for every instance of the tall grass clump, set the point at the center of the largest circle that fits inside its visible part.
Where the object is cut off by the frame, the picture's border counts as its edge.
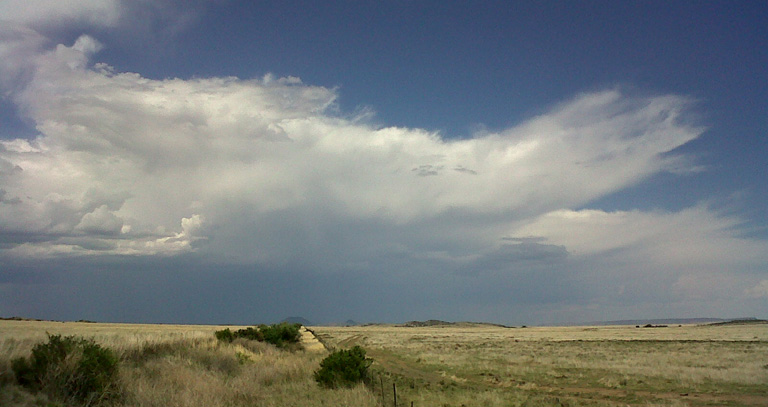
(69, 369)
(343, 368)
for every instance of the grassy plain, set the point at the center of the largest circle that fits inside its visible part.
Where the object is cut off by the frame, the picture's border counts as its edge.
(183, 365)
(457, 365)
(481, 365)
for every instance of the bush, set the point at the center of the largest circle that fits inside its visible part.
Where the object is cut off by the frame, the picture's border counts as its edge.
(343, 368)
(280, 335)
(225, 335)
(250, 333)
(69, 369)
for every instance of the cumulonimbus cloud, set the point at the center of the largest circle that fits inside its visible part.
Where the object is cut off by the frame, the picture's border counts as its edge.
(267, 172)
(126, 159)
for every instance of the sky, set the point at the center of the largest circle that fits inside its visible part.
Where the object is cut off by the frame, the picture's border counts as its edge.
(517, 162)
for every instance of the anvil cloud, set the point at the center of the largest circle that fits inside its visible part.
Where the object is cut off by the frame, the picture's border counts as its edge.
(268, 173)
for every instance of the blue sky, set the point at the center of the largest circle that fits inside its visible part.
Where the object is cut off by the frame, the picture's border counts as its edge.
(514, 162)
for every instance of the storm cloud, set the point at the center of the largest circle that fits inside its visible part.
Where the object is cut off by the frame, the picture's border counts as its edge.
(264, 183)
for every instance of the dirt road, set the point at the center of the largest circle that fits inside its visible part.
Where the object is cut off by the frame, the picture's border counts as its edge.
(310, 342)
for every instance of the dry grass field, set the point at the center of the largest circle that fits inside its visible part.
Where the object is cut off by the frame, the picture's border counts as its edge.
(481, 365)
(183, 365)
(458, 365)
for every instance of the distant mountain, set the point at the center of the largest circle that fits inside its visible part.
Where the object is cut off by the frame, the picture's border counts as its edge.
(351, 322)
(298, 320)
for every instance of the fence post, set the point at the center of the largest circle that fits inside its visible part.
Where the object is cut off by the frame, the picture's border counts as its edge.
(394, 390)
(383, 400)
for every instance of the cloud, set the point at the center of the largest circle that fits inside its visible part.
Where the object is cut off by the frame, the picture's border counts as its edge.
(263, 174)
(50, 15)
(18, 47)
(40, 14)
(758, 291)
(25, 26)
(695, 237)
(29, 27)
(119, 152)
(100, 221)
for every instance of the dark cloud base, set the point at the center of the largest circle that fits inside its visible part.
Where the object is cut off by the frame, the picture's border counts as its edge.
(188, 291)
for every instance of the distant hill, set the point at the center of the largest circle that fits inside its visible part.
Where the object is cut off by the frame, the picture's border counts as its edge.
(669, 321)
(439, 323)
(431, 322)
(351, 322)
(745, 321)
(298, 320)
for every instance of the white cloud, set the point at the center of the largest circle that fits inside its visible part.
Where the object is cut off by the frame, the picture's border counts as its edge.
(695, 253)
(100, 221)
(758, 291)
(43, 13)
(262, 172)
(28, 27)
(18, 47)
(269, 146)
(693, 236)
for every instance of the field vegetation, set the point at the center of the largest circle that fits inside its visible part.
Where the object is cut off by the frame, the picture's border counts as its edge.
(474, 364)
(180, 365)
(282, 335)
(459, 365)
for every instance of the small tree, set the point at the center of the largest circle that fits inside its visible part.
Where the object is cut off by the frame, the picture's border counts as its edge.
(343, 368)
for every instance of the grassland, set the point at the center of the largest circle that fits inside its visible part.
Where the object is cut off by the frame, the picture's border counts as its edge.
(459, 365)
(183, 365)
(574, 366)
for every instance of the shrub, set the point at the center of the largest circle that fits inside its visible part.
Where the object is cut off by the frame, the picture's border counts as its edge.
(225, 335)
(69, 369)
(280, 335)
(250, 333)
(343, 368)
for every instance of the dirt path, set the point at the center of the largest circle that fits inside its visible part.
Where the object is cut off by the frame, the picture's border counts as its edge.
(310, 342)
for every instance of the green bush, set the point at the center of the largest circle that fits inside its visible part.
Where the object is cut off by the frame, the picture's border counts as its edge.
(225, 335)
(250, 333)
(343, 368)
(280, 335)
(69, 369)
